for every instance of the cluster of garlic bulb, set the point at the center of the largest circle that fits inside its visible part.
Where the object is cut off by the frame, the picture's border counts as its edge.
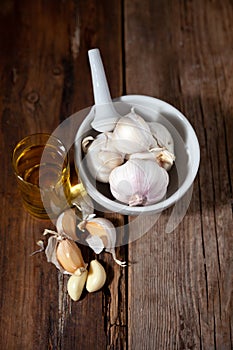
(134, 159)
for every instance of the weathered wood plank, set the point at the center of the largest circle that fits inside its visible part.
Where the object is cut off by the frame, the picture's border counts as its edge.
(181, 52)
(106, 327)
(31, 91)
(45, 77)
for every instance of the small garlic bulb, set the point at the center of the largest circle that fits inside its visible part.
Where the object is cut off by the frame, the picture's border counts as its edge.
(139, 182)
(132, 134)
(101, 157)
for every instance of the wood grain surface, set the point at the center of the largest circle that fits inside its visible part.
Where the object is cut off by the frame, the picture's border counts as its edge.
(177, 291)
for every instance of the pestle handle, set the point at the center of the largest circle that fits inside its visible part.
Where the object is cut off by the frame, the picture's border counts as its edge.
(99, 81)
(106, 116)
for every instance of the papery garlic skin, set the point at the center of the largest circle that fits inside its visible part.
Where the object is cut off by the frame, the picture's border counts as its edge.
(102, 158)
(66, 224)
(139, 182)
(104, 229)
(96, 276)
(76, 285)
(132, 134)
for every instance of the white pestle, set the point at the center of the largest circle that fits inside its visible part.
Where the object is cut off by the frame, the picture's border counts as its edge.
(105, 115)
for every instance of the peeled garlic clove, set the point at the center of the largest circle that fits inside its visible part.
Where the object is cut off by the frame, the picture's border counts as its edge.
(96, 276)
(162, 136)
(75, 285)
(101, 157)
(69, 256)
(132, 134)
(139, 182)
(66, 223)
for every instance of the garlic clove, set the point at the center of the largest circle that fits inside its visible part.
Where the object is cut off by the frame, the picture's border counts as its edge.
(50, 252)
(102, 233)
(66, 223)
(143, 155)
(162, 156)
(104, 229)
(69, 256)
(132, 134)
(162, 136)
(139, 182)
(165, 159)
(96, 277)
(76, 285)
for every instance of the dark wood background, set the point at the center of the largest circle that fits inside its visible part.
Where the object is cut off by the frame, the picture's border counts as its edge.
(178, 293)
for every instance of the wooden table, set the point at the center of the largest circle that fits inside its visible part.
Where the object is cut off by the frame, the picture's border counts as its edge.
(178, 292)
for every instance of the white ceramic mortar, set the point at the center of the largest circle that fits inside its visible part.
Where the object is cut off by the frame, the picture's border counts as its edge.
(186, 148)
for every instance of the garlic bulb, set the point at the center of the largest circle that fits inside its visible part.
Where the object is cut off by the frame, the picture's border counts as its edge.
(132, 134)
(101, 157)
(162, 136)
(139, 182)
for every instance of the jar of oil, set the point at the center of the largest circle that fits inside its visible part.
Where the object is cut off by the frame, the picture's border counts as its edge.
(41, 165)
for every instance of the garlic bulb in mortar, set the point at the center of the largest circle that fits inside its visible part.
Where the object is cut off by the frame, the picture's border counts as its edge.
(101, 157)
(132, 134)
(139, 182)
